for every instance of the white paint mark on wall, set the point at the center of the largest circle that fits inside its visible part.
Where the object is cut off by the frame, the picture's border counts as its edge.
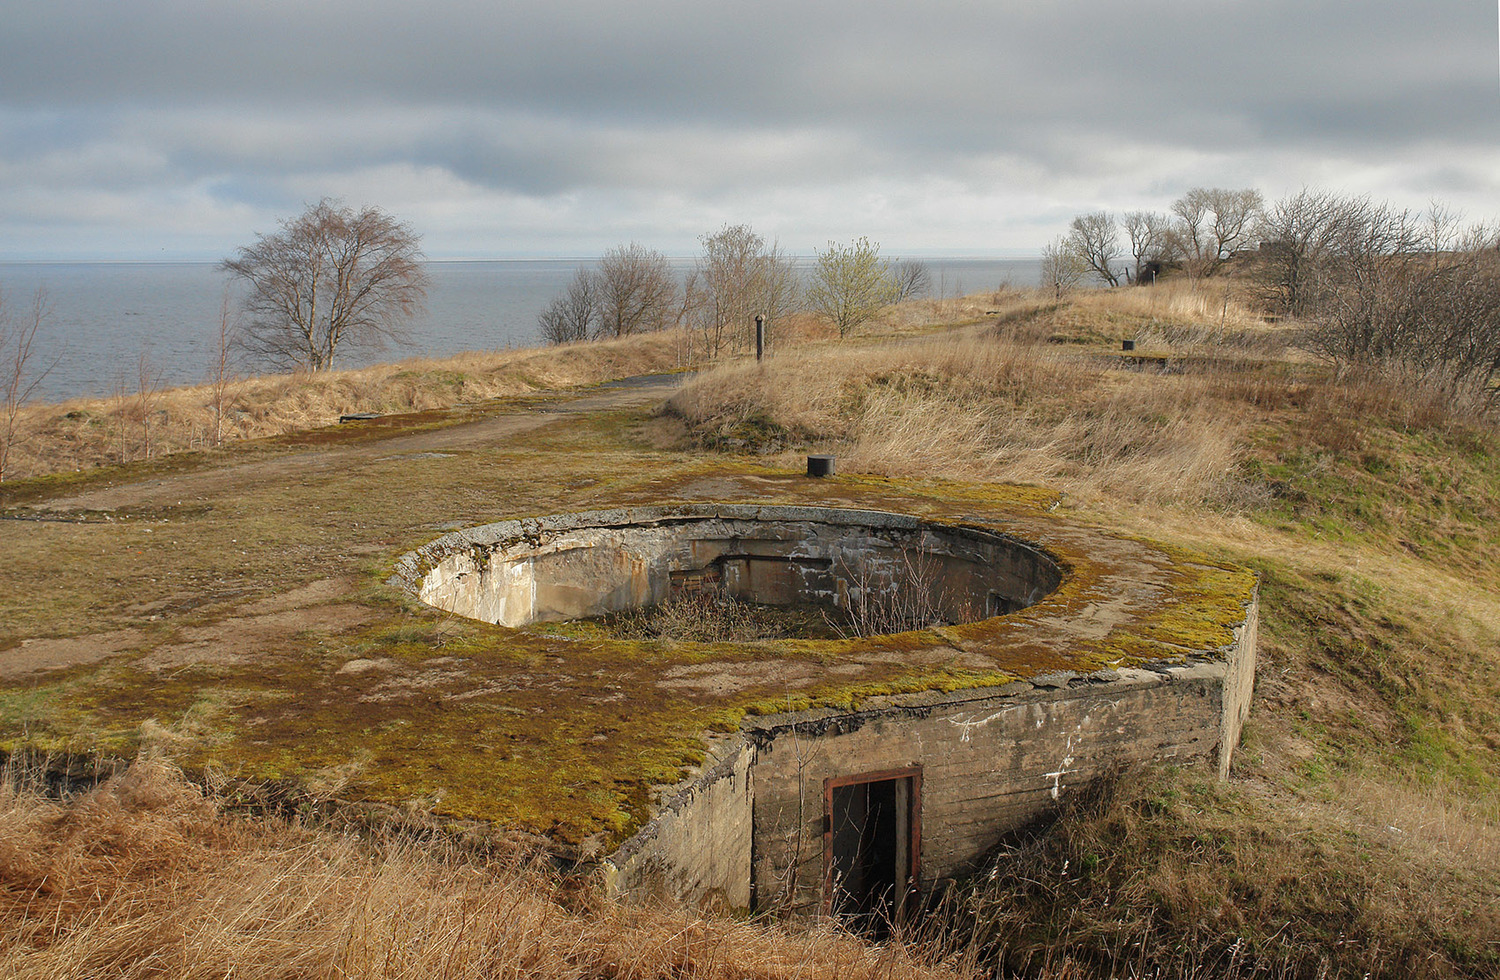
(1063, 769)
(968, 725)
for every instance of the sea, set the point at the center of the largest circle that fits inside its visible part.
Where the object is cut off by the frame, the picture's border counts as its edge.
(106, 319)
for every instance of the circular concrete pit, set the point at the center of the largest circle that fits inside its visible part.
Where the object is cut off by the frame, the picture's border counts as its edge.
(1128, 652)
(889, 569)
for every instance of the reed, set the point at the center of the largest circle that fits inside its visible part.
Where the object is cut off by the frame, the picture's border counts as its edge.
(145, 877)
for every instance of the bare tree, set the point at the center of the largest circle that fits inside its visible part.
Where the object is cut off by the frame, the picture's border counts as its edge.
(574, 315)
(913, 279)
(1297, 236)
(222, 369)
(850, 285)
(1234, 214)
(147, 396)
(1094, 239)
(17, 344)
(119, 405)
(1189, 231)
(1152, 244)
(1213, 224)
(739, 276)
(637, 290)
(1062, 269)
(332, 279)
(1393, 287)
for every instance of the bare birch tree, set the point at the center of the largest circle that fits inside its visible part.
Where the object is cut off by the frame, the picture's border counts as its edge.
(1062, 269)
(1213, 224)
(913, 279)
(574, 315)
(332, 279)
(147, 397)
(850, 285)
(739, 276)
(17, 345)
(1151, 242)
(222, 369)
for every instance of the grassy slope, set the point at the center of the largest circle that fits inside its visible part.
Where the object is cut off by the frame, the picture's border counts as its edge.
(1359, 831)
(146, 880)
(76, 436)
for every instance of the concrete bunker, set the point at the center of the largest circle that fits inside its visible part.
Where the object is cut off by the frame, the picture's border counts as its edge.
(890, 571)
(1077, 650)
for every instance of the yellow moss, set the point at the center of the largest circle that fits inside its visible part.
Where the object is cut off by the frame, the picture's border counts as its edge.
(558, 729)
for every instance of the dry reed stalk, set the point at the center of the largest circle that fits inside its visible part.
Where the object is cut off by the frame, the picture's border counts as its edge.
(83, 433)
(1210, 302)
(143, 878)
(976, 406)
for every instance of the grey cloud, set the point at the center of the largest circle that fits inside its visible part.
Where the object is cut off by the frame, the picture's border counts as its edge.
(883, 65)
(717, 105)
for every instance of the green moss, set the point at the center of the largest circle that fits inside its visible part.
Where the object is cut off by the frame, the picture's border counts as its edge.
(556, 729)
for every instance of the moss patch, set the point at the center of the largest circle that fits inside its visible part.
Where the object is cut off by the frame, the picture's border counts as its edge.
(553, 730)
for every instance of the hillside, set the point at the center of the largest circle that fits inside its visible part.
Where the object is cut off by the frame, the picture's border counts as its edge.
(1357, 834)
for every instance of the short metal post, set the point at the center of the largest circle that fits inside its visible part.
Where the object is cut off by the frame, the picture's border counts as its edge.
(760, 336)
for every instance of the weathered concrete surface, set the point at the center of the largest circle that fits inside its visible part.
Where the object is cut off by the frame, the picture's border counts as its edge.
(543, 731)
(1238, 687)
(989, 765)
(574, 566)
(990, 761)
(698, 846)
(1137, 656)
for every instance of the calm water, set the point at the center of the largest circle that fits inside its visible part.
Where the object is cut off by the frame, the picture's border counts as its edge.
(105, 315)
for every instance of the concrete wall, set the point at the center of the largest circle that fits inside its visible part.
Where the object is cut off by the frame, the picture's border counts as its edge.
(991, 761)
(697, 848)
(989, 765)
(514, 573)
(748, 830)
(1239, 686)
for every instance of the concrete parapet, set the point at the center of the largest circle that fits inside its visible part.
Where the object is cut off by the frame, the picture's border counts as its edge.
(1084, 651)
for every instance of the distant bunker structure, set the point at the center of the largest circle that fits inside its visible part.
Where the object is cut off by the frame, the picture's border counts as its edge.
(1074, 651)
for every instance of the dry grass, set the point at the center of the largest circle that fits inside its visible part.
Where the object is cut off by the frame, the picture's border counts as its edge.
(982, 404)
(1215, 302)
(1431, 825)
(1358, 837)
(1169, 875)
(145, 878)
(1042, 395)
(84, 433)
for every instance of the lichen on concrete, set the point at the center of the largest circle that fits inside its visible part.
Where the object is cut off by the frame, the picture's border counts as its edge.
(536, 729)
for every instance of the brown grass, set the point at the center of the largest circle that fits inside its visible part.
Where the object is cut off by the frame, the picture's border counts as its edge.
(1168, 874)
(1215, 303)
(1359, 835)
(978, 405)
(84, 433)
(145, 878)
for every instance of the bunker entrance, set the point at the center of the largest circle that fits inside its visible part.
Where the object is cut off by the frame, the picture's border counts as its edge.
(841, 572)
(871, 847)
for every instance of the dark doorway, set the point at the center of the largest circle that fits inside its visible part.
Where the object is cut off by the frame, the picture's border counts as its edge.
(871, 846)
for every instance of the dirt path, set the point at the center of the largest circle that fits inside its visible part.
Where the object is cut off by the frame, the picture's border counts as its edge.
(484, 432)
(213, 565)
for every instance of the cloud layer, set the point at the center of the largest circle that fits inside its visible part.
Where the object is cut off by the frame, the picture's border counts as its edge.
(181, 128)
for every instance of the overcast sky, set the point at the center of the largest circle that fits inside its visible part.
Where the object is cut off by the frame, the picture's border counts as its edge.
(181, 128)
